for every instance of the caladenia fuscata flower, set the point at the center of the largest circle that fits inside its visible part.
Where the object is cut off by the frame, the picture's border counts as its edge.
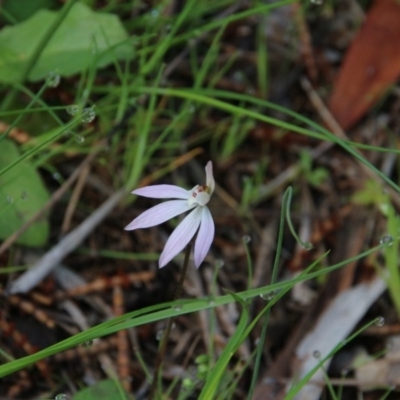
(198, 220)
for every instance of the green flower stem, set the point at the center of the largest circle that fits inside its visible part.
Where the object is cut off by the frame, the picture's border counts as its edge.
(165, 337)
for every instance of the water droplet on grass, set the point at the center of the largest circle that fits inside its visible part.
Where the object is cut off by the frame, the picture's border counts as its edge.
(317, 2)
(88, 115)
(246, 239)
(159, 334)
(80, 139)
(24, 195)
(155, 13)
(316, 354)
(308, 246)
(57, 176)
(380, 321)
(386, 240)
(72, 109)
(53, 79)
(9, 200)
(87, 344)
(268, 296)
(61, 396)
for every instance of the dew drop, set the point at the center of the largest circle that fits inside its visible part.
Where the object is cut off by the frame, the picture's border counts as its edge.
(317, 2)
(256, 341)
(191, 108)
(57, 176)
(238, 77)
(344, 372)
(178, 308)
(380, 321)
(24, 195)
(88, 115)
(87, 344)
(72, 109)
(246, 239)
(268, 296)
(53, 79)
(308, 246)
(386, 240)
(9, 200)
(80, 139)
(159, 334)
(219, 263)
(211, 303)
(316, 354)
(61, 396)
(154, 13)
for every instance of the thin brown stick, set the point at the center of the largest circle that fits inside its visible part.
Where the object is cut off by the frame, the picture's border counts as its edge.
(80, 184)
(123, 361)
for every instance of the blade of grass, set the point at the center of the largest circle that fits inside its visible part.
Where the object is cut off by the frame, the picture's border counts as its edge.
(166, 310)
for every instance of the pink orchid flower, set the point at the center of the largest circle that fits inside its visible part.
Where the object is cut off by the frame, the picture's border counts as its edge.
(196, 200)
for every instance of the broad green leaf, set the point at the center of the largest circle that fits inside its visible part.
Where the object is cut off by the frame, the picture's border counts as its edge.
(104, 390)
(22, 9)
(84, 37)
(22, 194)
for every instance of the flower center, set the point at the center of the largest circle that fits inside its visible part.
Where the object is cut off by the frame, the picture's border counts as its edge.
(199, 195)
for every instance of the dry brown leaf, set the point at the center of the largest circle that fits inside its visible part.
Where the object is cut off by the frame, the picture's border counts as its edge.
(371, 65)
(383, 372)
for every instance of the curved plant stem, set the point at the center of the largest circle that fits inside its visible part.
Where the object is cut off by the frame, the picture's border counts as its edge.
(167, 332)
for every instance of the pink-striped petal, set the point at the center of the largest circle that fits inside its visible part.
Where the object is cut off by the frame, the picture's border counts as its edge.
(210, 182)
(163, 192)
(180, 237)
(204, 237)
(160, 213)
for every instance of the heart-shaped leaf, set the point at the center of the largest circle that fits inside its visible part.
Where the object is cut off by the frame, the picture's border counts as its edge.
(83, 38)
(104, 390)
(22, 194)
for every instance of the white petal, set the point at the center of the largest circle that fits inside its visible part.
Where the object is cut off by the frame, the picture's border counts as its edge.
(163, 192)
(180, 237)
(204, 237)
(210, 182)
(158, 214)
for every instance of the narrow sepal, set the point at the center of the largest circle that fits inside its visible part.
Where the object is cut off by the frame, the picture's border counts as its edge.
(180, 237)
(160, 213)
(163, 192)
(204, 238)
